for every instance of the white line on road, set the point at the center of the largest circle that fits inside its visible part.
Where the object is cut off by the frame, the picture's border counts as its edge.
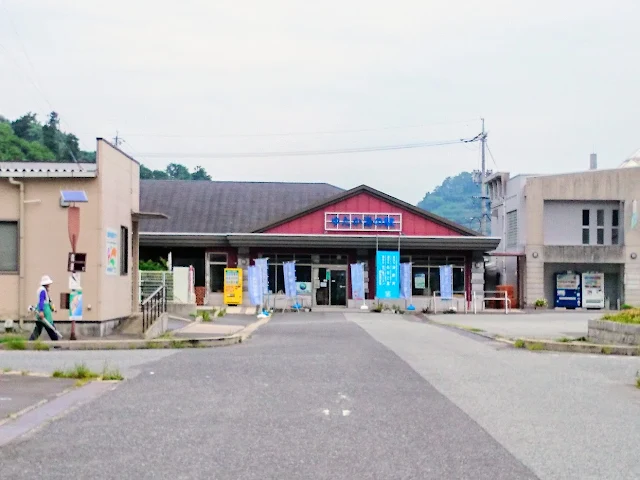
(346, 413)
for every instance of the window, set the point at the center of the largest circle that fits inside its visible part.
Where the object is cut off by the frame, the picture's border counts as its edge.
(124, 251)
(585, 227)
(9, 250)
(600, 225)
(615, 225)
(512, 228)
(217, 264)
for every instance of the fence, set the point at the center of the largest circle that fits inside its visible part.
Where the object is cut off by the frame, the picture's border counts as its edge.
(496, 296)
(150, 281)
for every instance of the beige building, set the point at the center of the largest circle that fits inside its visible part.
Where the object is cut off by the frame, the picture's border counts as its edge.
(576, 222)
(35, 239)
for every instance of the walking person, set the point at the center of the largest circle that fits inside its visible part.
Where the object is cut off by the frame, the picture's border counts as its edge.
(44, 309)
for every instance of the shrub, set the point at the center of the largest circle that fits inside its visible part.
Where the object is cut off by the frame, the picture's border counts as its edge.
(541, 302)
(626, 316)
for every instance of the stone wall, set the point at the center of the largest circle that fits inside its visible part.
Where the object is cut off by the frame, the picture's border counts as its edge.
(602, 331)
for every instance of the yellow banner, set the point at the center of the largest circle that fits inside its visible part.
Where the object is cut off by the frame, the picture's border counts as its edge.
(233, 286)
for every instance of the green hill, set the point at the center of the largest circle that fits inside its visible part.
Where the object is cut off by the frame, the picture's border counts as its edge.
(454, 200)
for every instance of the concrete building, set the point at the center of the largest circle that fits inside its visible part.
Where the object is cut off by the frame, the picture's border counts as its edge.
(579, 222)
(215, 225)
(35, 240)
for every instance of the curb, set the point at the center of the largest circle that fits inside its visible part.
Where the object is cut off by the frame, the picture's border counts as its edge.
(533, 345)
(133, 344)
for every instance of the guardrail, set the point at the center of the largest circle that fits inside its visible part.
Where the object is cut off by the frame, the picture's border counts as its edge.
(153, 306)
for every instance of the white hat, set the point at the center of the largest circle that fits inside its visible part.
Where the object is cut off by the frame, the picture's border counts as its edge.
(46, 280)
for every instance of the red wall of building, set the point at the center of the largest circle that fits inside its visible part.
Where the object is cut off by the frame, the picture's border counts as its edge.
(412, 224)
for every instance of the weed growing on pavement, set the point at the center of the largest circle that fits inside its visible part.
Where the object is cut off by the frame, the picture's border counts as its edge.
(222, 312)
(638, 379)
(38, 345)
(178, 344)
(25, 373)
(111, 373)
(519, 343)
(473, 329)
(606, 350)
(564, 339)
(536, 346)
(167, 334)
(6, 369)
(206, 315)
(80, 372)
(153, 345)
(14, 343)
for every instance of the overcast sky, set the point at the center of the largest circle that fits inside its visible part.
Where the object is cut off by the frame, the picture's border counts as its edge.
(555, 81)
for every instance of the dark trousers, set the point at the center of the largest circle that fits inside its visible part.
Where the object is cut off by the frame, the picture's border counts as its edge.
(37, 330)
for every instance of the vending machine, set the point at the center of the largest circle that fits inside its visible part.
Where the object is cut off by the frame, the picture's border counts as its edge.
(593, 290)
(568, 290)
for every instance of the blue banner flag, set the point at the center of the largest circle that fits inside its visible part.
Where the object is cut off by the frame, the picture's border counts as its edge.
(255, 290)
(387, 274)
(357, 281)
(446, 282)
(263, 268)
(290, 286)
(405, 280)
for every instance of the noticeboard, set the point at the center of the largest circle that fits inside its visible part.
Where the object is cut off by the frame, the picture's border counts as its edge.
(233, 286)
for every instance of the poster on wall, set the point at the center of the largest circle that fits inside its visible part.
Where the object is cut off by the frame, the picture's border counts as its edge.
(420, 281)
(75, 305)
(112, 252)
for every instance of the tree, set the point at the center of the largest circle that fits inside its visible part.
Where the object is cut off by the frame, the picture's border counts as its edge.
(145, 173)
(200, 174)
(176, 171)
(16, 149)
(71, 148)
(50, 133)
(28, 128)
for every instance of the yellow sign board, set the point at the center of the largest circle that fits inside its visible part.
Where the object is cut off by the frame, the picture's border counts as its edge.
(233, 286)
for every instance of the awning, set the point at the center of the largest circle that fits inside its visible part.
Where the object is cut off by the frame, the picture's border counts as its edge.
(452, 243)
(148, 216)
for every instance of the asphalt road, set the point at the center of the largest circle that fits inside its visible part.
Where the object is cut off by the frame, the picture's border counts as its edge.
(319, 396)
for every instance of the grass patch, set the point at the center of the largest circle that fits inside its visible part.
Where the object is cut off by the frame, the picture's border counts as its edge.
(638, 379)
(606, 350)
(178, 344)
(564, 340)
(206, 315)
(111, 373)
(38, 345)
(534, 347)
(25, 373)
(80, 372)
(167, 334)
(474, 329)
(6, 369)
(14, 343)
(519, 343)
(631, 316)
(153, 345)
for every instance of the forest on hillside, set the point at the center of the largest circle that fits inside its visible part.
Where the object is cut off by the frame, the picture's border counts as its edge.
(25, 139)
(456, 199)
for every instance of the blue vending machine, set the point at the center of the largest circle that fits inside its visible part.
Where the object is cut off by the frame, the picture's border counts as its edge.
(568, 290)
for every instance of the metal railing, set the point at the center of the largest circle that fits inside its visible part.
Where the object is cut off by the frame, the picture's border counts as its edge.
(462, 297)
(153, 306)
(500, 296)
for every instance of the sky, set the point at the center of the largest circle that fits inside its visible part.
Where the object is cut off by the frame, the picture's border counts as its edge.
(201, 82)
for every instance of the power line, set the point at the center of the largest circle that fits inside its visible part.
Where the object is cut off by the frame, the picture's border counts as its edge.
(286, 134)
(306, 152)
(491, 155)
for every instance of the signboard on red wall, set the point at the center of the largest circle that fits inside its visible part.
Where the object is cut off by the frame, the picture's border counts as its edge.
(362, 222)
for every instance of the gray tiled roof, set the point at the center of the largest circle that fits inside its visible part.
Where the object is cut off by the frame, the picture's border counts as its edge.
(225, 207)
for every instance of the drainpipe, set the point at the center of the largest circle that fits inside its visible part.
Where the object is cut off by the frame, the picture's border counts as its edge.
(21, 250)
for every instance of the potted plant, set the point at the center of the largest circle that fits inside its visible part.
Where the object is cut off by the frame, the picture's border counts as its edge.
(540, 303)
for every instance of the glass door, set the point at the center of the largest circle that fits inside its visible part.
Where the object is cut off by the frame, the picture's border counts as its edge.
(338, 287)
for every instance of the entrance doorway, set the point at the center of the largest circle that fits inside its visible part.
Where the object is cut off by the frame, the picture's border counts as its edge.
(330, 286)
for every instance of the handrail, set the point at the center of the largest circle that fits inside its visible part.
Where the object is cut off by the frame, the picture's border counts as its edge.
(153, 306)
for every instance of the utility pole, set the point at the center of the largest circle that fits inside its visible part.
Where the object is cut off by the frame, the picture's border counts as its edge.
(116, 140)
(483, 176)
